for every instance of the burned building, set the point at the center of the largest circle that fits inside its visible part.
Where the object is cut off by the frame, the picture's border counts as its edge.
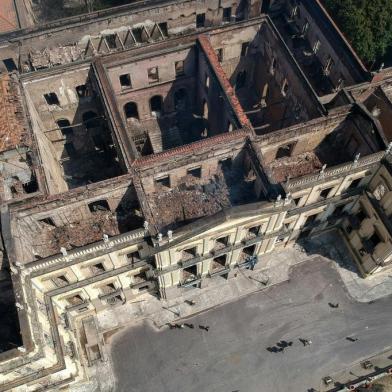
(160, 147)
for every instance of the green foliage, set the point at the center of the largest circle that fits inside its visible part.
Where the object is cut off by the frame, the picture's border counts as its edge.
(366, 23)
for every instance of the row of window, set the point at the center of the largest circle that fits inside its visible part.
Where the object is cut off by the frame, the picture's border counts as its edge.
(98, 205)
(220, 243)
(295, 12)
(90, 120)
(140, 34)
(110, 294)
(324, 193)
(96, 269)
(156, 104)
(179, 69)
(226, 17)
(195, 172)
(218, 263)
(152, 74)
(52, 99)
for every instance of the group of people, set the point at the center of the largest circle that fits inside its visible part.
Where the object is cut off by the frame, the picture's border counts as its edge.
(188, 325)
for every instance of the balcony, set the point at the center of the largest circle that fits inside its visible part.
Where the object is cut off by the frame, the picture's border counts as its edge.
(252, 233)
(218, 264)
(190, 261)
(140, 280)
(190, 280)
(79, 306)
(109, 294)
(247, 260)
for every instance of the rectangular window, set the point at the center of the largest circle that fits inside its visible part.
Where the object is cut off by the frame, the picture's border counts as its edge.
(82, 91)
(226, 14)
(297, 200)
(219, 54)
(99, 205)
(285, 87)
(328, 65)
(305, 27)
(294, 11)
(253, 232)
(188, 254)
(374, 240)
(60, 281)
(163, 181)
(163, 28)
(75, 300)
(51, 99)
(97, 269)
(200, 20)
(125, 81)
(140, 277)
(285, 151)
(190, 272)
(196, 172)
(273, 66)
(138, 34)
(153, 75)
(48, 221)
(324, 193)
(218, 262)
(133, 257)
(221, 243)
(107, 289)
(111, 41)
(316, 46)
(179, 68)
(354, 183)
(10, 65)
(244, 49)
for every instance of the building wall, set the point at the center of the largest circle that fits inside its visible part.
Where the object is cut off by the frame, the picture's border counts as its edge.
(371, 217)
(169, 262)
(316, 35)
(180, 18)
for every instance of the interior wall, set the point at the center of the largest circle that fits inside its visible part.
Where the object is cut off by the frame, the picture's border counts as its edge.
(82, 152)
(33, 237)
(48, 154)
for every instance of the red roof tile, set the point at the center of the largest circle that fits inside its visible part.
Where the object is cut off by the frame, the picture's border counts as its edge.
(8, 17)
(13, 127)
(220, 73)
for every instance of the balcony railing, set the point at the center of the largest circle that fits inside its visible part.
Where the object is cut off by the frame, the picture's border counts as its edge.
(110, 295)
(190, 280)
(220, 271)
(77, 306)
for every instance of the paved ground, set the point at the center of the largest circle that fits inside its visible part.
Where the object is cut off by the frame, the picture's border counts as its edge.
(233, 355)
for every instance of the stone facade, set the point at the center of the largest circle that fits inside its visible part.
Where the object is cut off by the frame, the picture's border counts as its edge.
(171, 146)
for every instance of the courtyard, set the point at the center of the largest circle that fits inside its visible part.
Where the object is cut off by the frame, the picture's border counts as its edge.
(241, 351)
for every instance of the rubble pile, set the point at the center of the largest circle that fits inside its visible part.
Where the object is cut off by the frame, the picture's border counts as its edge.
(292, 167)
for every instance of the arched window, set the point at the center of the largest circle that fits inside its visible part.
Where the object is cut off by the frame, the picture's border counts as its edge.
(156, 104)
(181, 99)
(130, 110)
(91, 120)
(65, 127)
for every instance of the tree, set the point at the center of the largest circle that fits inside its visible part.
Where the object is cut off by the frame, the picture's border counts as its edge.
(366, 23)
